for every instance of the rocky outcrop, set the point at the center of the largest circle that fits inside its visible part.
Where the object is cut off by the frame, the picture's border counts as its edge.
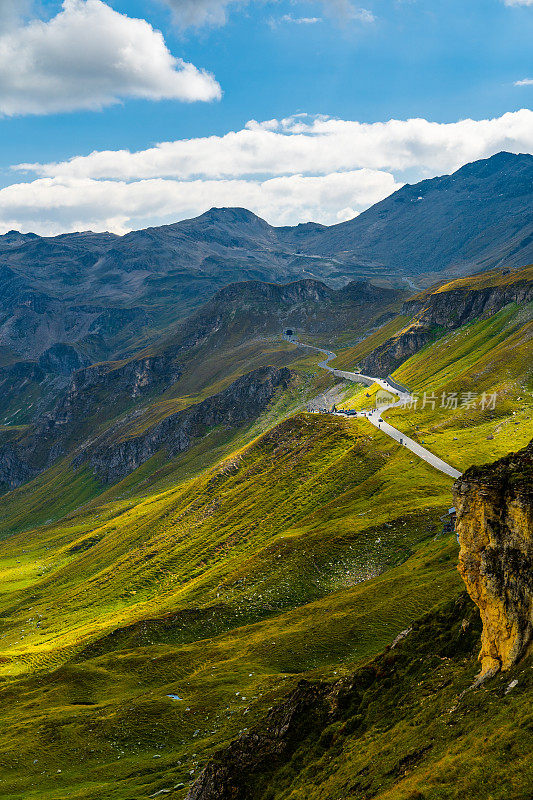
(390, 355)
(113, 457)
(301, 727)
(116, 453)
(14, 468)
(306, 290)
(93, 394)
(495, 527)
(451, 308)
(62, 359)
(228, 775)
(115, 382)
(436, 311)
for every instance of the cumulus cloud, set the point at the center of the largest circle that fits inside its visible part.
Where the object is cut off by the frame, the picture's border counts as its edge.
(89, 56)
(518, 2)
(287, 171)
(189, 13)
(53, 205)
(524, 82)
(310, 145)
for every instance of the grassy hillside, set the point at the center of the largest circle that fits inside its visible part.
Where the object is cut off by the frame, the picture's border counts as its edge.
(489, 357)
(473, 389)
(300, 553)
(147, 623)
(62, 488)
(406, 726)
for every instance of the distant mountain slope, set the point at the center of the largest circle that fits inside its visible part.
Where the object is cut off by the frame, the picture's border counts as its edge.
(478, 218)
(250, 309)
(70, 401)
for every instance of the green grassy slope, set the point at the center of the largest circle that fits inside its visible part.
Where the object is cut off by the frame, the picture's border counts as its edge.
(144, 625)
(489, 357)
(299, 554)
(404, 727)
(62, 489)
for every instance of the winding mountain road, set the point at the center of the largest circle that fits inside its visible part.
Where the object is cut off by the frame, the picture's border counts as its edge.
(374, 416)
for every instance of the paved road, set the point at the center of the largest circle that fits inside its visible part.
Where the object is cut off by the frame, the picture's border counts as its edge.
(375, 416)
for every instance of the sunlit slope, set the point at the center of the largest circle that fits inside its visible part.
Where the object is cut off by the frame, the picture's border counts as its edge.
(63, 487)
(488, 366)
(473, 390)
(296, 545)
(312, 479)
(308, 550)
(408, 725)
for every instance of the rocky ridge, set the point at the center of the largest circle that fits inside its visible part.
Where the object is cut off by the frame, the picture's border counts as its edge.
(495, 528)
(477, 218)
(123, 381)
(249, 309)
(88, 396)
(113, 457)
(115, 453)
(437, 311)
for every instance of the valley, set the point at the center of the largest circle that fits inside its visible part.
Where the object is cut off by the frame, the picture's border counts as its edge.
(228, 553)
(195, 547)
(266, 400)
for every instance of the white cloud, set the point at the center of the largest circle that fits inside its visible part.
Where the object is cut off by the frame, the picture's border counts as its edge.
(299, 20)
(189, 13)
(288, 171)
(53, 205)
(347, 10)
(346, 213)
(524, 82)
(89, 56)
(196, 13)
(310, 145)
(518, 2)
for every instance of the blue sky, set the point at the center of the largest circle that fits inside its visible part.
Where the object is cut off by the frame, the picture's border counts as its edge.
(365, 62)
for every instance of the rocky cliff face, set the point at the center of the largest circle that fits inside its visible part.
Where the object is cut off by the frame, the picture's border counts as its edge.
(390, 355)
(121, 381)
(113, 458)
(444, 309)
(116, 453)
(451, 308)
(495, 527)
(14, 468)
(93, 393)
(62, 359)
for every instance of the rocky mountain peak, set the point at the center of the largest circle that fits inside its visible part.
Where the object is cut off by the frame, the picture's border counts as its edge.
(495, 527)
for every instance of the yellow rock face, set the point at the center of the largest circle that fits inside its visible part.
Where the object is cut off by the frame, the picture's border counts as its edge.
(495, 527)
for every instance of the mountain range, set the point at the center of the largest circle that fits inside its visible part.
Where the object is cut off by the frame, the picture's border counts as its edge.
(107, 294)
